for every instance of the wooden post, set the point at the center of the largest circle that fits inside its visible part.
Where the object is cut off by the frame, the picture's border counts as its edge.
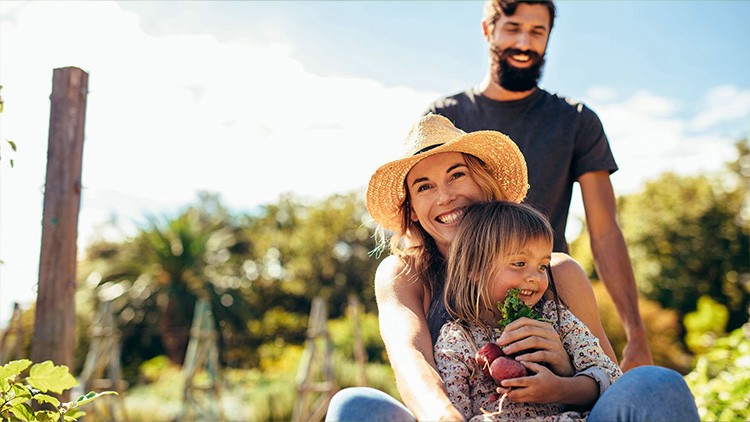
(202, 401)
(10, 344)
(104, 354)
(313, 393)
(359, 347)
(54, 323)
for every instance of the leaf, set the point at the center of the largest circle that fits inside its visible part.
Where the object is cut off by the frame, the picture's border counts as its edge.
(12, 144)
(80, 401)
(513, 308)
(44, 398)
(23, 412)
(14, 368)
(74, 414)
(46, 416)
(47, 376)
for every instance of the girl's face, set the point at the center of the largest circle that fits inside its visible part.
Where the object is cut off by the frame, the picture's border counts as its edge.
(525, 270)
(440, 188)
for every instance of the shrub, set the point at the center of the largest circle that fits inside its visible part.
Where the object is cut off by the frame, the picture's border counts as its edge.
(720, 381)
(23, 395)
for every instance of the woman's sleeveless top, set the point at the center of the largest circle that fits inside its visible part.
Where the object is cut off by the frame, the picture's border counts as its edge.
(436, 315)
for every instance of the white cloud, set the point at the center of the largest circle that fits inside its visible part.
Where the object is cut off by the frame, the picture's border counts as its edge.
(170, 115)
(649, 135)
(722, 104)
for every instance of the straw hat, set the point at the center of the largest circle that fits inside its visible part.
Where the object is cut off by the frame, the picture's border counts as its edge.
(434, 134)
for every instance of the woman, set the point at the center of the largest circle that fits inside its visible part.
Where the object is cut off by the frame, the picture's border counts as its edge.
(421, 198)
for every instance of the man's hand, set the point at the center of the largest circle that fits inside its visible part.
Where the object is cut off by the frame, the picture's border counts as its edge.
(636, 353)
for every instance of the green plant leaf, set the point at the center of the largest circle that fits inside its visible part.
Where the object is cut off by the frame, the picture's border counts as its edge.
(23, 412)
(44, 398)
(46, 416)
(74, 414)
(47, 376)
(80, 401)
(14, 368)
(513, 308)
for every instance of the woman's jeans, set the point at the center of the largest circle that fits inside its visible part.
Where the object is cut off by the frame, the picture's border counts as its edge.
(645, 393)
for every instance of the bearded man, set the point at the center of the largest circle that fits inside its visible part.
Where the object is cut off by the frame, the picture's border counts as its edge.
(562, 140)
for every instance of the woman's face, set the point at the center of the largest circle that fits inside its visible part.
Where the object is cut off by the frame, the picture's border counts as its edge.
(441, 187)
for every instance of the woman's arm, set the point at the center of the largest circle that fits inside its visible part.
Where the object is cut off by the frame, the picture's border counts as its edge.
(575, 290)
(403, 327)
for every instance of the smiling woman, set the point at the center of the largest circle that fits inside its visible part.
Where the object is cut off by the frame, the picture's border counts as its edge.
(421, 199)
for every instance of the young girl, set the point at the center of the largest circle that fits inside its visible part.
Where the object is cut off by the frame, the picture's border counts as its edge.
(500, 246)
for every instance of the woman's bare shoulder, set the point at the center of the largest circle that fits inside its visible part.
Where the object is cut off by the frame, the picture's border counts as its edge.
(394, 272)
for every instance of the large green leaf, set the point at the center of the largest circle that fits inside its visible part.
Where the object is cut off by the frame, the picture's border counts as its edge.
(47, 376)
(44, 398)
(14, 368)
(23, 412)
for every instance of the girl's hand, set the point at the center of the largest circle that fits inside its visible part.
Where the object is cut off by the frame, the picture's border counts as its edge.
(536, 341)
(542, 386)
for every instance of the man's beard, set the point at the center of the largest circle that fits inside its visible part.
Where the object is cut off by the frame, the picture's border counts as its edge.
(512, 78)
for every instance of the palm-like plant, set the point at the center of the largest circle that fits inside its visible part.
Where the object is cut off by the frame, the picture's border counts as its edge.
(155, 278)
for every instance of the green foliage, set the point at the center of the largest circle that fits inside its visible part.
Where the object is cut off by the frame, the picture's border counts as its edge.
(23, 397)
(342, 329)
(690, 245)
(688, 237)
(720, 381)
(662, 326)
(706, 323)
(513, 307)
(260, 270)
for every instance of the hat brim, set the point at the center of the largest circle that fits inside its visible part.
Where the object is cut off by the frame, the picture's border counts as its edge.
(386, 191)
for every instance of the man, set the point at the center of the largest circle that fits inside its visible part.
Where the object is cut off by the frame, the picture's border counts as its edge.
(563, 142)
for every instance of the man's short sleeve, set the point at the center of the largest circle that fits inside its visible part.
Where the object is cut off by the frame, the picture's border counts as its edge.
(592, 149)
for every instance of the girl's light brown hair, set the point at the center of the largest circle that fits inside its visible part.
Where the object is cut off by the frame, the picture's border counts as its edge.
(488, 235)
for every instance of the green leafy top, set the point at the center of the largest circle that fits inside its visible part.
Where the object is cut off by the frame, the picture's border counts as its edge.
(513, 307)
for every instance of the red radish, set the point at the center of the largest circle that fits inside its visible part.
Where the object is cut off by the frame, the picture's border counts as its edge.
(486, 354)
(504, 367)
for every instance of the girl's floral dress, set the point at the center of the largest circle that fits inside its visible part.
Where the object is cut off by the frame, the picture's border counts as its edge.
(473, 392)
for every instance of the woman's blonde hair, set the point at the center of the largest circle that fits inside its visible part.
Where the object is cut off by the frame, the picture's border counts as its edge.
(485, 240)
(417, 247)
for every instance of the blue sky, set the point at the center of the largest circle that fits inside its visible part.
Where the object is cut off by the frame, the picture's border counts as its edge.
(252, 99)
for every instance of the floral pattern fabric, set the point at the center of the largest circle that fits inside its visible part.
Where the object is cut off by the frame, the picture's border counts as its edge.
(473, 392)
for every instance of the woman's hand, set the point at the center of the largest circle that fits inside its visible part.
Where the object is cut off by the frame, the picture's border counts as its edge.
(536, 341)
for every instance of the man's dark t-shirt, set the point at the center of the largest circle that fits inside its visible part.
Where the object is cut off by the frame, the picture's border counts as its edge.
(561, 139)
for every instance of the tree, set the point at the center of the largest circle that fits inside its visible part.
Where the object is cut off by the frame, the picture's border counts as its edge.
(688, 237)
(155, 278)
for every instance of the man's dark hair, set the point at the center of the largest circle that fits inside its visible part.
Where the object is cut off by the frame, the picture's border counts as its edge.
(493, 9)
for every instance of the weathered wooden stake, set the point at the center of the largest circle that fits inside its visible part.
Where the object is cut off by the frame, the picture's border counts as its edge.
(314, 393)
(202, 400)
(360, 356)
(10, 343)
(54, 323)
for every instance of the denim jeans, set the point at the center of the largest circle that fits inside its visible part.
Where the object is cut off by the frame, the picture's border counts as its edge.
(645, 393)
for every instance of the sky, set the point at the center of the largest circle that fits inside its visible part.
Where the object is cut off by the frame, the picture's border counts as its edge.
(252, 99)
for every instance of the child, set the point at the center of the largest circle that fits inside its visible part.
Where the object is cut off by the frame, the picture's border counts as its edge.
(500, 246)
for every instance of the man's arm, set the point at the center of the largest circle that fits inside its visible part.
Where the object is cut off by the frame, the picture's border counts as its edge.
(613, 263)
(403, 327)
